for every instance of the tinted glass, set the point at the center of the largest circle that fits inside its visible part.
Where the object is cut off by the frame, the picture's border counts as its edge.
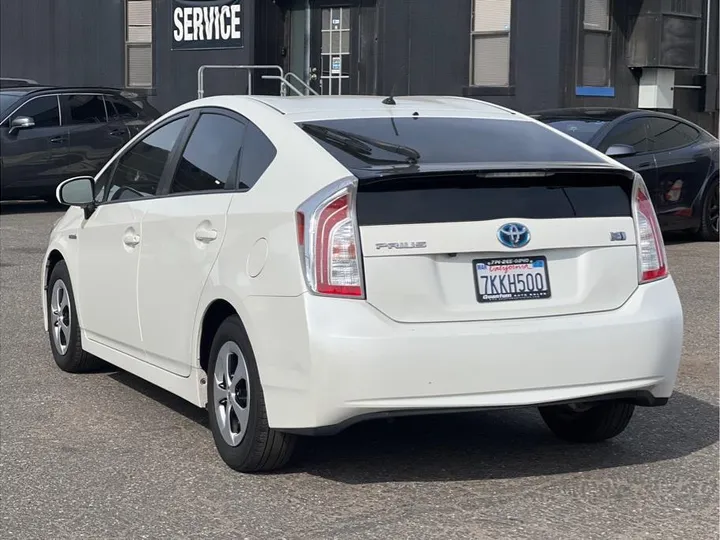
(43, 110)
(8, 99)
(120, 109)
(139, 171)
(581, 129)
(211, 154)
(83, 109)
(102, 182)
(631, 132)
(258, 153)
(456, 140)
(454, 198)
(667, 134)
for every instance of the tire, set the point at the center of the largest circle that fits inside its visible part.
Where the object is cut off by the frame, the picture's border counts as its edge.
(709, 218)
(63, 327)
(238, 418)
(593, 422)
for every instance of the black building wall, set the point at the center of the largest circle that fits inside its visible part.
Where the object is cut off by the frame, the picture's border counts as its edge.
(176, 70)
(63, 42)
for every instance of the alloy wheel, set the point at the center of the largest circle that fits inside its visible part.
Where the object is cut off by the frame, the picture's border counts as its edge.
(231, 393)
(714, 210)
(60, 316)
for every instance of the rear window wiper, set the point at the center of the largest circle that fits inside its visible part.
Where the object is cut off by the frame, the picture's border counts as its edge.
(359, 145)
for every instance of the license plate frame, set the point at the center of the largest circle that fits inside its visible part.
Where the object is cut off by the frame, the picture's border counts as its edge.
(535, 262)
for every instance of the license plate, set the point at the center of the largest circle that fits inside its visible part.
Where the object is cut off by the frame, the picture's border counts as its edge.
(516, 278)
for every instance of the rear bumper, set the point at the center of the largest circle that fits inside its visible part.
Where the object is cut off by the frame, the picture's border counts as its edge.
(330, 361)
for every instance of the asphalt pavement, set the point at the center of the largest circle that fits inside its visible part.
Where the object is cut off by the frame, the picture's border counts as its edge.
(107, 455)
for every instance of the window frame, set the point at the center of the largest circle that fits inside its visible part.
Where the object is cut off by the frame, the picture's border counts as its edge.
(232, 184)
(168, 174)
(64, 113)
(677, 123)
(581, 87)
(8, 118)
(127, 45)
(473, 89)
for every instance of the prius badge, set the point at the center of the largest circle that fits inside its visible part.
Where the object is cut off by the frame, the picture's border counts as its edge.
(513, 235)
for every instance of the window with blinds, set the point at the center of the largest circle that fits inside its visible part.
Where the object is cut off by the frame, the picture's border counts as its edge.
(490, 51)
(138, 44)
(595, 44)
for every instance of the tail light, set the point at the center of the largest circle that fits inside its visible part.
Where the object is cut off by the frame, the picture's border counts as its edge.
(329, 242)
(651, 248)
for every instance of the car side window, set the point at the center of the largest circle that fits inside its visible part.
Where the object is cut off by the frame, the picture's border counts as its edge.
(258, 153)
(667, 134)
(43, 110)
(631, 132)
(119, 109)
(138, 172)
(211, 154)
(83, 109)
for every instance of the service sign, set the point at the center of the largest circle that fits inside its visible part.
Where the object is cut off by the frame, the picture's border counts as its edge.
(207, 24)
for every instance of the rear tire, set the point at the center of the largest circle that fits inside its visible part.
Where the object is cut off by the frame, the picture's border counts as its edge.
(586, 423)
(236, 405)
(709, 218)
(63, 327)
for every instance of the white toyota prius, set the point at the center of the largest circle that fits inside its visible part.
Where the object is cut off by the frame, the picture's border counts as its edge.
(299, 264)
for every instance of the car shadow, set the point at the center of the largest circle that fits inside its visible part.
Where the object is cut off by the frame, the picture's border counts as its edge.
(479, 445)
(29, 207)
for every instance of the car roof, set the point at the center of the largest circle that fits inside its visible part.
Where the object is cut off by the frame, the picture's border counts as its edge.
(597, 113)
(47, 88)
(301, 108)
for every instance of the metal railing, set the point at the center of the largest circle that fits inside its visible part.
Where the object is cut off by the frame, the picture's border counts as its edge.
(249, 69)
(298, 79)
(283, 78)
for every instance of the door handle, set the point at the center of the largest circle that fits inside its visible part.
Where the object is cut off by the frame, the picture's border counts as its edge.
(117, 133)
(131, 239)
(58, 139)
(206, 235)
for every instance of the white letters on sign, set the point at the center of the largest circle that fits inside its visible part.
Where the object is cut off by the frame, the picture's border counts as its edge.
(207, 23)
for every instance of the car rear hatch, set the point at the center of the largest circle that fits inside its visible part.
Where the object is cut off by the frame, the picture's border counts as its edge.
(496, 244)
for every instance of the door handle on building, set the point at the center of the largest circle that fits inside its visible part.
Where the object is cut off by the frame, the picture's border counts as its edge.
(206, 235)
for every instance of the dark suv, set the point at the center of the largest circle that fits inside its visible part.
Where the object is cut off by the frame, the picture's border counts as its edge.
(49, 134)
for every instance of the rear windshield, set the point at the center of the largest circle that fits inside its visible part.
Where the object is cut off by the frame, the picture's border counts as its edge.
(581, 129)
(449, 140)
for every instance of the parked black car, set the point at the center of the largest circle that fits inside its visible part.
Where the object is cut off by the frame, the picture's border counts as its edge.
(49, 134)
(677, 159)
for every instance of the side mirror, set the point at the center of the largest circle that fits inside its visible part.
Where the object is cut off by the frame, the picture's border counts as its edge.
(78, 191)
(21, 122)
(620, 150)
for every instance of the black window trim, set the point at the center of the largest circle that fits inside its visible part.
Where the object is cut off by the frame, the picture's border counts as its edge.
(33, 98)
(174, 161)
(117, 157)
(170, 168)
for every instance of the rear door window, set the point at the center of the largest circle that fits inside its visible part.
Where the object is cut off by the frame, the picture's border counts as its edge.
(210, 159)
(121, 109)
(667, 134)
(83, 109)
(43, 110)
